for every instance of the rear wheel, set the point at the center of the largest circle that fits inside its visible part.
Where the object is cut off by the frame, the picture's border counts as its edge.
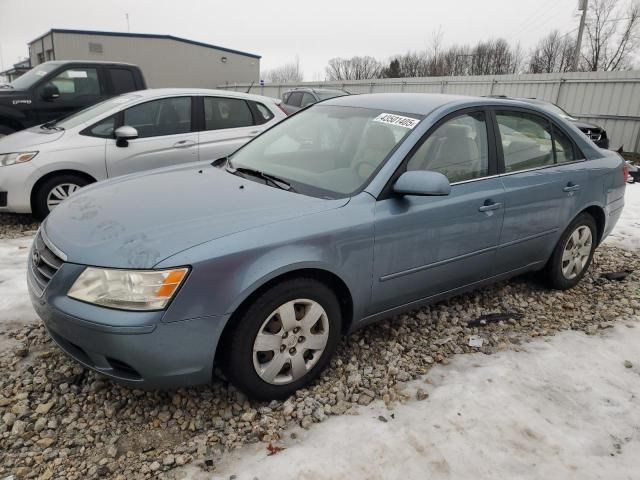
(573, 253)
(55, 190)
(283, 340)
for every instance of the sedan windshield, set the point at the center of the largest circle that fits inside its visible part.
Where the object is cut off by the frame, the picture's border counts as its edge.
(326, 151)
(25, 81)
(92, 113)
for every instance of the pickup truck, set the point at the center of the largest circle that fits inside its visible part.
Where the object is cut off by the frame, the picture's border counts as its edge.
(56, 89)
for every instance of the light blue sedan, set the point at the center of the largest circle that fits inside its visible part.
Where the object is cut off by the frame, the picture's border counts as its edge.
(348, 212)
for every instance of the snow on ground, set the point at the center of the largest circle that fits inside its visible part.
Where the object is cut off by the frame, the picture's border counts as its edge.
(564, 408)
(15, 306)
(627, 231)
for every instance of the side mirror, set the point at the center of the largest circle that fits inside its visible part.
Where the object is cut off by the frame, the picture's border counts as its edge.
(422, 183)
(49, 91)
(124, 134)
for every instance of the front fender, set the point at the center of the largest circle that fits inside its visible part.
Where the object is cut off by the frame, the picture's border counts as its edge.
(226, 271)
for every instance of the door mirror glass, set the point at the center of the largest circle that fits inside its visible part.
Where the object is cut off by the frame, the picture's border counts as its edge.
(422, 183)
(50, 91)
(124, 134)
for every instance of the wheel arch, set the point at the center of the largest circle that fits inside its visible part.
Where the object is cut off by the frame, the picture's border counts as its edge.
(55, 173)
(330, 279)
(597, 212)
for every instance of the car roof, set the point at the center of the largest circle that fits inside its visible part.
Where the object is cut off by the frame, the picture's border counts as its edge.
(97, 62)
(167, 92)
(419, 103)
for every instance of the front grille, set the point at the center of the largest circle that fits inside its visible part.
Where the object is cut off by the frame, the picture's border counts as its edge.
(43, 263)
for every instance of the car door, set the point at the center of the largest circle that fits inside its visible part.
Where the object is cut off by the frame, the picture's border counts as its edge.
(425, 246)
(165, 137)
(543, 174)
(78, 87)
(228, 124)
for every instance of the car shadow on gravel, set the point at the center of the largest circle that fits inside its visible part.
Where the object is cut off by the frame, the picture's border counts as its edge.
(13, 225)
(61, 420)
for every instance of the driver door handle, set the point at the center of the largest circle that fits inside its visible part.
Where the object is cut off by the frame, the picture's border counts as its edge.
(571, 187)
(184, 144)
(489, 205)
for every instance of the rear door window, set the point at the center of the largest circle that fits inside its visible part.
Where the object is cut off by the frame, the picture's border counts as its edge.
(307, 99)
(122, 80)
(295, 98)
(221, 113)
(526, 141)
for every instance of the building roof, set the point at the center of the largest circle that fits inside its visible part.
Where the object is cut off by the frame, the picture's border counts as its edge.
(144, 35)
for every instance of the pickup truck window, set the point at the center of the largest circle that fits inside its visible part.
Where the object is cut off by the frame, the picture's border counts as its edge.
(77, 82)
(122, 80)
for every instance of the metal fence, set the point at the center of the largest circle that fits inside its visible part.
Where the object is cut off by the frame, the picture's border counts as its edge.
(609, 99)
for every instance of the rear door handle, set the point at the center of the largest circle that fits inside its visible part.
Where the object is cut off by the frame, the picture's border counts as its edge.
(184, 144)
(254, 133)
(489, 205)
(571, 187)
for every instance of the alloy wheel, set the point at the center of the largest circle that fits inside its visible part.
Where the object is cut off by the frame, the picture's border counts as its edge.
(576, 252)
(59, 193)
(290, 341)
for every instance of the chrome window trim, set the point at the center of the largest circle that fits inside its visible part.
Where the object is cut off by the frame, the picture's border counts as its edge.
(505, 174)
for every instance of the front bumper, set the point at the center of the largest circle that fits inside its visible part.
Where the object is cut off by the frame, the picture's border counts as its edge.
(134, 348)
(16, 183)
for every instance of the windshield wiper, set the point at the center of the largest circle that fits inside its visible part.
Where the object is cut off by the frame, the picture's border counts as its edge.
(268, 178)
(50, 125)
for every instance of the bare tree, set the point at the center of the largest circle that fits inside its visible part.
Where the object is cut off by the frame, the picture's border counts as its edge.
(289, 72)
(611, 34)
(355, 68)
(553, 53)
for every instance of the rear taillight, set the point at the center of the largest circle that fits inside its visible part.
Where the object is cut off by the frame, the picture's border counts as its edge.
(625, 171)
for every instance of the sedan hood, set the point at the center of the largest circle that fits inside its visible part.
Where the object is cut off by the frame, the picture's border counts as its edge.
(27, 140)
(138, 220)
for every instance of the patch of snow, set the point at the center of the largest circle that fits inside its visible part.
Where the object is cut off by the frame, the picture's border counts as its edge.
(626, 233)
(15, 306)
(566, 407)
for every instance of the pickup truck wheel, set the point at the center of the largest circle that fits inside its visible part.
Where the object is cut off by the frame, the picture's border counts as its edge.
(283, 340)
(573, 253)
(54, 190)
(4, 131)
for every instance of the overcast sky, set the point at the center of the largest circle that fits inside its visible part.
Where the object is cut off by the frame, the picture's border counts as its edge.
(281, 29)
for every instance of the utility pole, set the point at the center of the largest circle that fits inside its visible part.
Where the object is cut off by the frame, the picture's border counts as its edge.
(128, 26)
(582, 5)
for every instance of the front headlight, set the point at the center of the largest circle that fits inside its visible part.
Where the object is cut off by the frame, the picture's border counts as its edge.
(19, 157)
(128, 289)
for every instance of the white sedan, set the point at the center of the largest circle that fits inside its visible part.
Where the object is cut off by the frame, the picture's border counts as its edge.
(40, 167)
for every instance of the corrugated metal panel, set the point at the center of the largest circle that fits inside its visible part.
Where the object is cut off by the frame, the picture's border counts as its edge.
(587, 95)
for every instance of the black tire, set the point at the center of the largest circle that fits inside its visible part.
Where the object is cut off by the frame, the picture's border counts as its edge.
(39, 207)
(553, 273)
(237, 361)
(6, 130)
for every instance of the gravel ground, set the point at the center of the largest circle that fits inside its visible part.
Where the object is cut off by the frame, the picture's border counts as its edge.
(13, 225)
(58, 420)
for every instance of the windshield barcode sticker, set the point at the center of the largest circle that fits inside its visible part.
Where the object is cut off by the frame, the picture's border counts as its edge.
(391, 119)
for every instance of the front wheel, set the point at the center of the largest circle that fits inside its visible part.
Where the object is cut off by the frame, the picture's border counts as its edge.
(283, 340)
(55, 190)
(573, 253)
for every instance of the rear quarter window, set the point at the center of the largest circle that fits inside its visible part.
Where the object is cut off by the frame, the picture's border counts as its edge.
(122, 80)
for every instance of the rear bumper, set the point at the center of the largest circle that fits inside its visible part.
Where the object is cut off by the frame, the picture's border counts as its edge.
(133, 348)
